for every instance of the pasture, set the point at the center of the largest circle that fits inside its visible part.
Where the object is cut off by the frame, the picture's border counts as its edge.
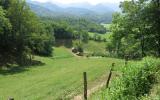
(57, 78)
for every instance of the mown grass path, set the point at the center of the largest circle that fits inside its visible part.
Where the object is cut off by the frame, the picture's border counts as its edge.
(96, 85)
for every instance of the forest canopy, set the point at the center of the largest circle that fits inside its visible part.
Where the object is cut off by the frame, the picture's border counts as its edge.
(21, 33)
(136, 30)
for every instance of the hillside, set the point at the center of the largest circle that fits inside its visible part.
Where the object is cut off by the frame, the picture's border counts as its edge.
(55, 79)
(41, 11)
(98, 13)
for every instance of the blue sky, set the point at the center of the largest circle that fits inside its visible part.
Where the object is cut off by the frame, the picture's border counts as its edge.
(94, 2)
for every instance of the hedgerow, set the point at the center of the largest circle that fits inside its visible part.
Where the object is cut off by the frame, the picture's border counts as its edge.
(135, 82)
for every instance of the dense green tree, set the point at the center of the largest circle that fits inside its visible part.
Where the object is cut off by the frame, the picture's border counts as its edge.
(62, 32)
(5, 3)
(22, 33)
(135, 31)
(5, 38)
(78, 24)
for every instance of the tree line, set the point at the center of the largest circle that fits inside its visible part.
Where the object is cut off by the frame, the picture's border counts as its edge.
(22, 34)
(72, 28)
(135, 31)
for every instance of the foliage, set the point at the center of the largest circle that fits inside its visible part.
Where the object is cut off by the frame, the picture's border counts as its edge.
(61, 31)
(91, 46)
(79, 47)
(77, 24)
(98, 37)
(136, 81)
(22, 34)
(5, 28)
(135, 31)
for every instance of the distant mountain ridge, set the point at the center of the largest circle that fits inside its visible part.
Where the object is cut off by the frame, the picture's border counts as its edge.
(101, 6)
(98, 13)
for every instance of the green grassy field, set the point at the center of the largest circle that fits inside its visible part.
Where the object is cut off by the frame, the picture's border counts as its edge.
(57, 78)
(103, 36)
(106, 25)
(93, 46)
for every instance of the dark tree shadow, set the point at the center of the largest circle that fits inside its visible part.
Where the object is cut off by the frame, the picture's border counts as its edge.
(14, 69)
(36, 63)
(64, 42)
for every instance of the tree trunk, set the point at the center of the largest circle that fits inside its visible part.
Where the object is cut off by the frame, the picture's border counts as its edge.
(158, 47)
(117, 47)
(142, 46)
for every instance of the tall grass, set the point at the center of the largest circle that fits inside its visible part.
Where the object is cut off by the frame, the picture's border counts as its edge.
(135, 82)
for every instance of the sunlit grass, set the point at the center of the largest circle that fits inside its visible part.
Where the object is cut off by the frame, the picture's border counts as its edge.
(60, 76)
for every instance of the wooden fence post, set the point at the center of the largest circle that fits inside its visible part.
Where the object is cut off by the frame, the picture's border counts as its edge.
(85, 85)
(109, 76)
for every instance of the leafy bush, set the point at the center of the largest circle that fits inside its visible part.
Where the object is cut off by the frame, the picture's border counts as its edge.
(78, 47)
(136, 81)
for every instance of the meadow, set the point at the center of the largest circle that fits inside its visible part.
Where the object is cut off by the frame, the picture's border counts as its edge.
(56, 78)
(93, 46)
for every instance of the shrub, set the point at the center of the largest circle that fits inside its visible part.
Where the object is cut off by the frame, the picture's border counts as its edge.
(78, 47)
(136, 81)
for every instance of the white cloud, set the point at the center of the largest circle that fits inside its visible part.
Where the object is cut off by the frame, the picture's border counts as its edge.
(79, 1)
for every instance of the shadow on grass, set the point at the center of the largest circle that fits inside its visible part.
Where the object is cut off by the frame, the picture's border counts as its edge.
(14, 69)
(68, 43)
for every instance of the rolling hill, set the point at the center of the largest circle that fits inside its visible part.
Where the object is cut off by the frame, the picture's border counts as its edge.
(101, 13)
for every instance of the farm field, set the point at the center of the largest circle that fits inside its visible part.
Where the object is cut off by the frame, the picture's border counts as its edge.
(103, 36)
(93, 46)
(56, 78)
